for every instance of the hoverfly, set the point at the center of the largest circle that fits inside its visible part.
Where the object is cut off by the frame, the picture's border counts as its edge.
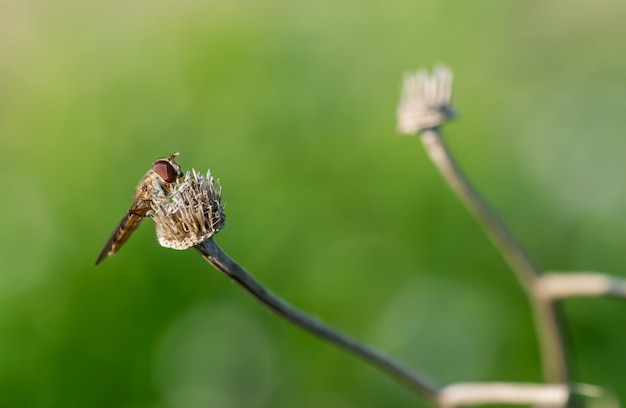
(157, 182)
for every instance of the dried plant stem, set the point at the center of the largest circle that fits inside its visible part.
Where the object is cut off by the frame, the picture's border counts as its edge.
(558, 285)
(222, 262)
(547, 314)
(464, 394)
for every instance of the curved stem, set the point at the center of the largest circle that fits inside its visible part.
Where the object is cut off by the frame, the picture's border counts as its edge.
(547, 313)
(222, 262)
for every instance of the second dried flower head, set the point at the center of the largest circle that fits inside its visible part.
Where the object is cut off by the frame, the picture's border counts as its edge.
(425, 100)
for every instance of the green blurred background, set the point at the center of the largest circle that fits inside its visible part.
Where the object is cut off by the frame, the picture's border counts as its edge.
(292, 104)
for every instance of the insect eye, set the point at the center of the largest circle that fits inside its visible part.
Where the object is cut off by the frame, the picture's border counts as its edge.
(164, 169)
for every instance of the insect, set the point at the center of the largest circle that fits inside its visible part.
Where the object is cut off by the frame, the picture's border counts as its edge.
(157, 182)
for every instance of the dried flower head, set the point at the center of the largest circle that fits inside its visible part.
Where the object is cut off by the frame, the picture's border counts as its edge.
(425, 100)
(191, 214)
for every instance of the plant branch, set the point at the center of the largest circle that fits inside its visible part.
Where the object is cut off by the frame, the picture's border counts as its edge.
(511, 250)
(547, 314)
(221, 261)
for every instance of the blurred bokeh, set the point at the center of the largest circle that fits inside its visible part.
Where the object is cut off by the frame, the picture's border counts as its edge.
(291, 104)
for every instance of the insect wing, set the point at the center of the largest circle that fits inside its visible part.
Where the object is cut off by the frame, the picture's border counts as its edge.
(123, 231)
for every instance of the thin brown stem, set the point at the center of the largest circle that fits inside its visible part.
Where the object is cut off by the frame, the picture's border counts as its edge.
(222, 262)
(547, 314)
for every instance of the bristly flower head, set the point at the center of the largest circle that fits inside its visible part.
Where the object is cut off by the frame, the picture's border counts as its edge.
(425, 100)
(191, 214)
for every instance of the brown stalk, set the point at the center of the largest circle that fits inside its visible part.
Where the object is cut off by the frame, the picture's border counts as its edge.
(213, 254)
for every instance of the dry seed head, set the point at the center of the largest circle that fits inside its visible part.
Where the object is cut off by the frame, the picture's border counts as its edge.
(425, 100)
(191, 214)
